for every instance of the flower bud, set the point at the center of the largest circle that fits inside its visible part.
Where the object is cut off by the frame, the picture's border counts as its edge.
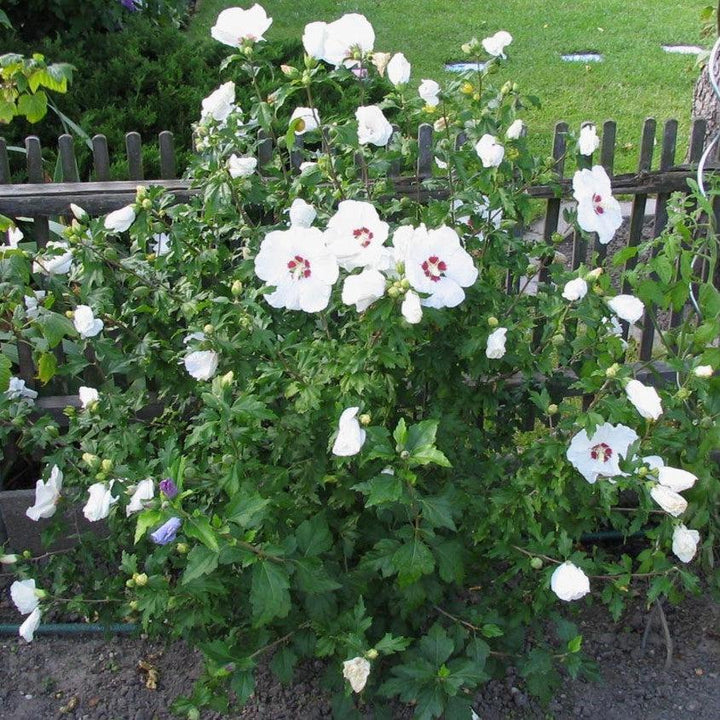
(506, 88)
(129, 583)
(193, 714)
(594, 274)
(237, 288)
(536, 563)
(703, 371)
(27, 554)
(133, 605)
(289, 71)
(227, 379)
(371, 654)
(643, 471)
(106, 465)
(492, 321)
(69, 314)
(552, 409)
(404, 455)
(90, 459)
(683, 394)
(558, 340)
(182, 548)
(8, 559)
(467, 88)
(612, 371)
(393, 291)
(208, 329)
(707, 423)
(147, 204)
(140, 579)
(365, 419)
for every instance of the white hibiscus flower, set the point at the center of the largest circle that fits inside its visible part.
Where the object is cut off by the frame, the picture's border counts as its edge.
(495, 44)
(47, 494)
(569, 582)
(489, 150)
(437, 265)
(234, 25)
(364, 289)
(355, 234)
(373, 127)
(300, 267)
(600, 455)
(86, 323)
(350, 437)
(597, 211)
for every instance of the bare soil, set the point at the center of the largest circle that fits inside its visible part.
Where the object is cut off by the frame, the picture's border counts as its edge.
(95, 678)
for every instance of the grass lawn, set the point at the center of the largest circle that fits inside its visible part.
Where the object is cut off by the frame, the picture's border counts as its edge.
(636, 80)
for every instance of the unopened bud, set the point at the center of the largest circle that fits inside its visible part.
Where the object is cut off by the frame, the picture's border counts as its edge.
(506, 88)
(404, 455)
(536, 563)
(106, 465)
(642, 471)
(236, 288)
(133, 605)
(365, 419)
(612, 371)
(393, 291)
(209, 329)
(140, 579)
(147, 204)
(140, 192)
(467, 88)
(182, 548)
(78, 212)
(90, 459)
(492, 321)
(227, 379)
(69, 314)
(594, 274)
(552, 409)
(8, 559)
(683, 394)
(371, 654)
(558, 340)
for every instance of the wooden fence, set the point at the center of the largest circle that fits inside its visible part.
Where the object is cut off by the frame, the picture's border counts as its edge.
(39, 199)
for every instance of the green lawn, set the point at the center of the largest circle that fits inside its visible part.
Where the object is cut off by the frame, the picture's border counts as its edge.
(636, 80)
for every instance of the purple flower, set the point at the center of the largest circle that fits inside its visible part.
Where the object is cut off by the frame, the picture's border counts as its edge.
(168, 488)
(166, 533)
(131, 5)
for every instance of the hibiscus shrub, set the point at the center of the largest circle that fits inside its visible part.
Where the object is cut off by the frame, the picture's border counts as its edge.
(306, 397)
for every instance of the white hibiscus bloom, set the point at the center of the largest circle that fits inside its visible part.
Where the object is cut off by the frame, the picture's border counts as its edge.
(302, 214)
(600, 455)
(47, 494)
(85, 322)
(202, 364)
(627, 307)
(436, 264)
(675, 478)
(33, 303)
(575, 289)
(350, 437)
(496, 344)
(144, 492)
(495, 44)
(57, 262)
(373, 127)
(234, 25)
(364, 289)
(703, 371)
(411, 308)
(516, 130)
(398, 70)
(685, 542)
(355, 234)
(569, 582)
(308, 120)
(14, 236)
(241, 167)
(589, 141)
(429, 91)
(219, 104)
(645, 399)
(17, 390)
(670, 501)
(100, 500)
(597, 211)
(489, 150)
(300, 267)
(120, 220)
(88, 396)
(24, 596)
(336, 42)
(31, 624)
(356, 672)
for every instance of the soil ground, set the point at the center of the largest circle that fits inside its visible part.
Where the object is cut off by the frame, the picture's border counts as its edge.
(93, 678)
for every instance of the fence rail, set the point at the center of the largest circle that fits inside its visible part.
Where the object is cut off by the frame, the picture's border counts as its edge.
(40, 199)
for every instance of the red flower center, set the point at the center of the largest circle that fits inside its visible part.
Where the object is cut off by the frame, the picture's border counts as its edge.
(299, 268)
(597, 204)
(602, 452)
(363, 235)
(434, 268)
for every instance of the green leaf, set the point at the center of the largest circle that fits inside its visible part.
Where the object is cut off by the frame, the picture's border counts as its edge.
(201, 561)
(55, 327)
(269, 592)
(200, 529)
(575, 644)
(400, 435)
(247, 509)
(413, 560)
(5, 372)
(312, 577)
(436, 646)
(421, 435)
(47, 366)
(243, 685)
(4, 20)
(430, 703)
(384, 488)
(8, 110)
(33, 106)
(145, 520)
(490, 630)
(387, 645)
(438, 511)
(450, 560)
(283, 664)
(313, 536)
